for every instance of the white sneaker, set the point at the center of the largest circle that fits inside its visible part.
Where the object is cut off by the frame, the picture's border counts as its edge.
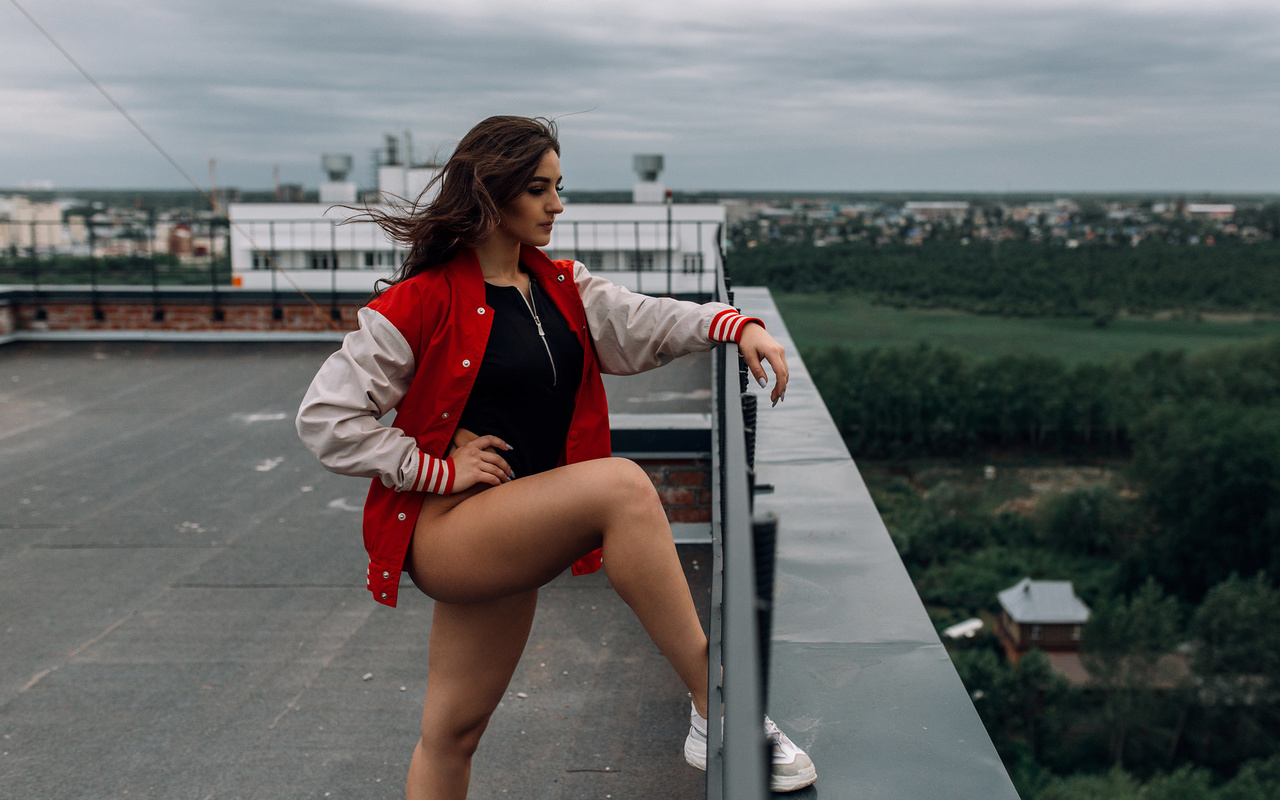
(792, 768)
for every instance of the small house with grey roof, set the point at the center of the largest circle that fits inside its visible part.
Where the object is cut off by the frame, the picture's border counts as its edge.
(1044, 615)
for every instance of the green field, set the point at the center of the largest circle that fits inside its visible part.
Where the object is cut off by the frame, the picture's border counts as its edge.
(821, 320)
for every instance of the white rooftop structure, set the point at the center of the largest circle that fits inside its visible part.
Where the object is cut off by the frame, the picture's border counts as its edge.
(1220, 210)
(936, 205)
(649, 189)
(1044, 603)
(651, 247)
(936, 209)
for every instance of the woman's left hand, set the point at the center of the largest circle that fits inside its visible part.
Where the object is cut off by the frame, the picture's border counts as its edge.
(461, 436)
(757, 345)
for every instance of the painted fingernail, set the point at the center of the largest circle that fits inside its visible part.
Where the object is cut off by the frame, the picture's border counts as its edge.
(762, 381)
(775, 402)
(511, 447)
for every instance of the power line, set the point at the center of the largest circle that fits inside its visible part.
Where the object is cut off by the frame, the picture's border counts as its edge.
(213, 203)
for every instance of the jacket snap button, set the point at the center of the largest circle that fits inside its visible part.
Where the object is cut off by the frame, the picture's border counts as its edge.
(466, 362)
(560, 278)
(445, 415)
(386, 576)
(480, 310)
(384, 595)
(402, 516)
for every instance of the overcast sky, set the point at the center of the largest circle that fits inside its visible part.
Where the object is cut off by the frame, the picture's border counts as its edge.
(808, 94)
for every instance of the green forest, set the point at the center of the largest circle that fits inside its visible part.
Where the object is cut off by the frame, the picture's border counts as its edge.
(1173, 538)
(1027, 279)
(827, 319)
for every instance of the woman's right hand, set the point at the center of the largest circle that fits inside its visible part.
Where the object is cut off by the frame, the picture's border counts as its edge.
(477, 461)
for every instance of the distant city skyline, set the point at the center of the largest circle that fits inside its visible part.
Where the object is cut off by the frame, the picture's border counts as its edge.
(1146, 96)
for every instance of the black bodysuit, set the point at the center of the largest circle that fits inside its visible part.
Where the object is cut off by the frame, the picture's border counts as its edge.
(525, 389)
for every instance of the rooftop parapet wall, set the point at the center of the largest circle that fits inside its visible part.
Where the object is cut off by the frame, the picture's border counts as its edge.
(131, 312)
(859, 676)
(136, 312)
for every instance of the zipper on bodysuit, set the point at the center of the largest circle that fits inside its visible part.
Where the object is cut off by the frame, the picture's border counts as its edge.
(534, 311)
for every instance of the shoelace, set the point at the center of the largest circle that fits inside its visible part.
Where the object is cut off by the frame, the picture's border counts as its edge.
(771, 731)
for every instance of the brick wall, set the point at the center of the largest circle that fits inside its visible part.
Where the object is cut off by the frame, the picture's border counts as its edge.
(684, 484)
(7, 322)
(197, 315)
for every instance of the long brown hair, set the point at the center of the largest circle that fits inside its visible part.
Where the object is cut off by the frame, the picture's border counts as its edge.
(490, 167)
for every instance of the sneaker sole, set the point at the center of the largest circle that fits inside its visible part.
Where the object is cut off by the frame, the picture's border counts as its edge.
(777, 783)
(792, 783)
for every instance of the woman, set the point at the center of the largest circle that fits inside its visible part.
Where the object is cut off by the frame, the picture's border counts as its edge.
(496, 474)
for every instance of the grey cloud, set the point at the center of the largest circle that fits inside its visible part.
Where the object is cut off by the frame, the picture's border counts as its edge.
(836, 98)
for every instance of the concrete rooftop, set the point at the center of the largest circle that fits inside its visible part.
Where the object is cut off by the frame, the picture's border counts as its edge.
(183, 612)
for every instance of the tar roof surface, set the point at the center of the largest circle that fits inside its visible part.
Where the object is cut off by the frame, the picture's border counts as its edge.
(183, 612)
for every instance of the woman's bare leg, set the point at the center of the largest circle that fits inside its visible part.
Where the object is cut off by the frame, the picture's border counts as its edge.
(474, 651)
(513, 538)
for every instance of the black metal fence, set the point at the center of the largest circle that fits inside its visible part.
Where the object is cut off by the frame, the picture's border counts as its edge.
(196, 250)
(659, 255)
(670, 250)
(742, 590)
(133, 251)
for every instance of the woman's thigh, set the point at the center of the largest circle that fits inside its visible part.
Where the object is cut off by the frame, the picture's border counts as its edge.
(518, 536)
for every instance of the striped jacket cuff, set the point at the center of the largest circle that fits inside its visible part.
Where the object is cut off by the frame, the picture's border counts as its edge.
(728, 324)
(435, 475)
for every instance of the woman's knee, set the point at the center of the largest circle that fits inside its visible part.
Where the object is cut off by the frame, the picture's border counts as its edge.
(630, 489)
(627, 478)
(457, 740)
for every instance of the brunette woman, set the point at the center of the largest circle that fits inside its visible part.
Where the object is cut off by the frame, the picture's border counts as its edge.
(496, 474)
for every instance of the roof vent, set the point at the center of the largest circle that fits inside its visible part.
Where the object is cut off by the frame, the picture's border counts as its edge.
(337, 165)
(647, 165)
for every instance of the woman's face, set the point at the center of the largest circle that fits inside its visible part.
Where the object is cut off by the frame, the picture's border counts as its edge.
(529, 217)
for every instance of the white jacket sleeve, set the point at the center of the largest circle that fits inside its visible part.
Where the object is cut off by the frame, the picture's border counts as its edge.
(358, 384)
(634, 332)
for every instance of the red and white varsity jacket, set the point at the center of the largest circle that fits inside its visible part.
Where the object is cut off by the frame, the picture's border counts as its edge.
(417, 350)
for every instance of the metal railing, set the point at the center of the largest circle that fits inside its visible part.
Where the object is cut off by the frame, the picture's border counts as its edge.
(135, 251)
(661, 255)
(664, 248)
(142, 250)
(738, 755)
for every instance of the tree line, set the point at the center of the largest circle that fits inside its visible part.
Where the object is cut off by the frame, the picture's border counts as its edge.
(1202, 433)
(1026, 278)
(929, 401)
(163, 269)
